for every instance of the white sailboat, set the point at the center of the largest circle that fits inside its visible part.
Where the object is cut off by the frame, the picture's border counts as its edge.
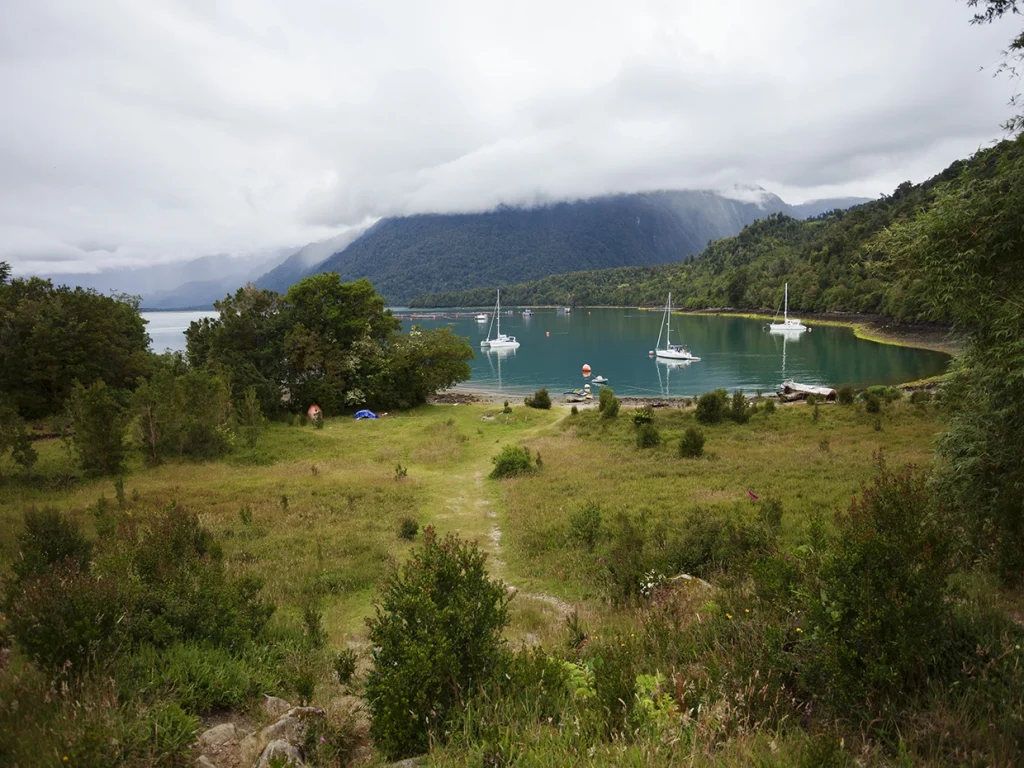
(787, 325)
(500, 339)
(671, 351)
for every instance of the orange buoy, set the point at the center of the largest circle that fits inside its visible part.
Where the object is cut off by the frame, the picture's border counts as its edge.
(548, 333)
(586, 369)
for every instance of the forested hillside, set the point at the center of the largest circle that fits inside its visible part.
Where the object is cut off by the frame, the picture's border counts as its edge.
(832, 263)
(403, 257)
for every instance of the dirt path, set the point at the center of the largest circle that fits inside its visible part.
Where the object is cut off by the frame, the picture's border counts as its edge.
(474, 515)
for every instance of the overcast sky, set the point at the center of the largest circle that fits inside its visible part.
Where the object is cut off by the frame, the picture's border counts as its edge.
(144, 132)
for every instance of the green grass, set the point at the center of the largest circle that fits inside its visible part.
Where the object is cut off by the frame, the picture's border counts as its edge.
(344, 503)
(780, 455)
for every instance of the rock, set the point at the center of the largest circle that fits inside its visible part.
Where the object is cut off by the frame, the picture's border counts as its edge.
(280, 750)
(217, 736)
(250, 747)
(204, 762)
(291, 726)
(274, 706)
(409, 762)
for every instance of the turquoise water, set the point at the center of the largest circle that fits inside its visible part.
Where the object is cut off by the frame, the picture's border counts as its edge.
(736, 353)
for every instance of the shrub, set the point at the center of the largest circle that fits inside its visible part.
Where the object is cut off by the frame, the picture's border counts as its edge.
(644, 415)
(816, 414)
(648, 436)
(692, 444)
(49, 538)
(408, 528)
(769, 407)
(436, 634)
(846, 395)
(541, 399)
(714, 540)
(511, 462)
(585, 525)
(872, 402)
(711, 406)
(66, 619)
(879, 609)
(400, 471)
(607, 403)
(14, 437)
(318, 420)
(574, 410)
(740, 410)
(507, 408)
(249, 418)
(344, 665)
(98, 424)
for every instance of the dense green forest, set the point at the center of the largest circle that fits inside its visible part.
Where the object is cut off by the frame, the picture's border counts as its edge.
(833, 263)
(403, 257)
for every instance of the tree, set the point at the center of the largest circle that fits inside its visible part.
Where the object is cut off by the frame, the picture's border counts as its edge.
(417, 365)
(182, 413)
(436, 635)
(990, 11)
(243, 345)
(5, 272)
(15, 438)
(98, 424)
(51, 337)
(966, 249)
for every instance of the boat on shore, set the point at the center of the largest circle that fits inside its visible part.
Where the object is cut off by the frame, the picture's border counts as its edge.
(671, 351)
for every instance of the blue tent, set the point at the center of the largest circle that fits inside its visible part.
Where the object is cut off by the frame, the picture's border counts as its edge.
(364, 414)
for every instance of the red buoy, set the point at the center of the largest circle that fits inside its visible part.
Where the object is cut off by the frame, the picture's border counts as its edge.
(586, 369)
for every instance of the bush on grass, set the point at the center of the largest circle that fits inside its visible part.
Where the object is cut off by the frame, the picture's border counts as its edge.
(512, 461)
(607, 403)
(408, 529)
(585, 525)
(846, 395)
(872, 402)
(541, 399)
(436, 634)
(879, 606)
(740, 410)
(648, 436)
(711, 406)
(691, 446)
(644, 415)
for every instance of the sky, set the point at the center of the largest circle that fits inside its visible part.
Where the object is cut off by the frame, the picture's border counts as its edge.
(140, 133)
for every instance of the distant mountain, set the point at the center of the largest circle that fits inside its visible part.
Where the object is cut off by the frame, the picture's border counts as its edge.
(813, 208)
(407, 256)
(296, 266)
(152, 280)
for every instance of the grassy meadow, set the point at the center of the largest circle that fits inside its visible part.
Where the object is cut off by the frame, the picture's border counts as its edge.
(316, 514)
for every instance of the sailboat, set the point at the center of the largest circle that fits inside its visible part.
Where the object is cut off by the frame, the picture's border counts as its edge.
(500, 339)
(787, 325)
(671, 351)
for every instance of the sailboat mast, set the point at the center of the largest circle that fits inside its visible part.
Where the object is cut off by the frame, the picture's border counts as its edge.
(497, 310)
(668, 322)
(785, 314)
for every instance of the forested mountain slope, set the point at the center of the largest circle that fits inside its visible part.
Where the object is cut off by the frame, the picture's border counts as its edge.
(404, 257)
(832, 264)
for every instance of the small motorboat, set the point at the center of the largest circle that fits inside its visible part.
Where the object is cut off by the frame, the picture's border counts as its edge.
(600, 380)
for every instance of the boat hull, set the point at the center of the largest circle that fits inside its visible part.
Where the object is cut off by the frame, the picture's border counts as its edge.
(789, 327)
(671, 354)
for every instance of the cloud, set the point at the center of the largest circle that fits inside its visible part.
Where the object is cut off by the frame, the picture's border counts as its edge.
(141, 133)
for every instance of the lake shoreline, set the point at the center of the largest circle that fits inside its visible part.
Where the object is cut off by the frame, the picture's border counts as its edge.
(877, 328)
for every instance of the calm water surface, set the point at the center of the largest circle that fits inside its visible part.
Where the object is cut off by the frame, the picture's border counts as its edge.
(736, 353)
